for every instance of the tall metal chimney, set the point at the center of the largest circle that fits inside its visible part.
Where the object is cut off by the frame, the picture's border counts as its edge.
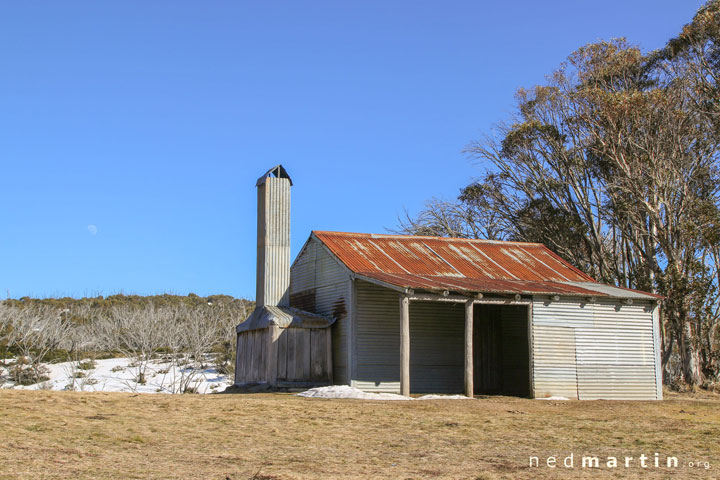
(273, 238)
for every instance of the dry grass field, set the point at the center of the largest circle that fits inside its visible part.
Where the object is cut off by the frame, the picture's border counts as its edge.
(280, 436)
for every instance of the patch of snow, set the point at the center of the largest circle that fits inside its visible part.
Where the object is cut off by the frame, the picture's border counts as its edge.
(346, 391)
(444, 397)
(553, 398)
(119, 374)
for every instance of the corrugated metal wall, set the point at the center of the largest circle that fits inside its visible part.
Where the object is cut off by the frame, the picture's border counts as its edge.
(273, 242)
(437, 344)
(594, 351)
(437, 358)
(319, 284)
(376, 338)
(554, 367)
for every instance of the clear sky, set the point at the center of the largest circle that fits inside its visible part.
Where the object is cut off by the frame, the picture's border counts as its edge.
(132, 133)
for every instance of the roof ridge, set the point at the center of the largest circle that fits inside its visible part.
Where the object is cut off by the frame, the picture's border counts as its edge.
(399, 235)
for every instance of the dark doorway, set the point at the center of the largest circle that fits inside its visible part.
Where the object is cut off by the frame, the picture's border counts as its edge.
(501, 350)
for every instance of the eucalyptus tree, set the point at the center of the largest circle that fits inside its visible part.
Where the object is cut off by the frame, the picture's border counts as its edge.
(613, 163)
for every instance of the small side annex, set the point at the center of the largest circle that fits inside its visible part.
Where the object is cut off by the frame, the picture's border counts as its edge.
(439, 315)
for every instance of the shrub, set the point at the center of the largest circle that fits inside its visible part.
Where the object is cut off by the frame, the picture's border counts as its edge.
(224, 358)
(87, 365)
(23, 373)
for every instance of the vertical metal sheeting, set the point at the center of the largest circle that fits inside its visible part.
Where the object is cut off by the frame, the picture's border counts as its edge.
(377, 339)
(436, 343)
(437, 347)
(273, 269)
(320, 285)
(554, 366)
(608, 347)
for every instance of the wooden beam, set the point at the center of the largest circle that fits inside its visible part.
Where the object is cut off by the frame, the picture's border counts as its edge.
(469, 390)
(432, 297)
(379, 282)
(429, 297)
(404, 345)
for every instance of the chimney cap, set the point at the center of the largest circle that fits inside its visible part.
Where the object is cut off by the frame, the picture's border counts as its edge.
(277, 171)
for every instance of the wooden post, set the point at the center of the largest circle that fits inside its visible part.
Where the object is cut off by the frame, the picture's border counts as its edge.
(469, 390)
(404, 345)
(328, 341)
(531, 354)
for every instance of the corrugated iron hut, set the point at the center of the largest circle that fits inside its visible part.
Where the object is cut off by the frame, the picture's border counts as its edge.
(445, 315)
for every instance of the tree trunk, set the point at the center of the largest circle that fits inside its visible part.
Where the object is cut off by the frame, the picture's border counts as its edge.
(690, 357)
(667, 353)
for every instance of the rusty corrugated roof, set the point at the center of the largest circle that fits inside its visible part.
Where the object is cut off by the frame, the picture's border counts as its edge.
(458, 264)
(480, 285)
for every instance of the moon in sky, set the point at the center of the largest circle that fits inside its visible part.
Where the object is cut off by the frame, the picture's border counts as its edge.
(92, 229)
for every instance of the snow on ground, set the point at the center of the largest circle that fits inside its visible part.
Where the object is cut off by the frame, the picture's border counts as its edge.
(346, 391)
(443, 397)
(553, 398)
(119, 374)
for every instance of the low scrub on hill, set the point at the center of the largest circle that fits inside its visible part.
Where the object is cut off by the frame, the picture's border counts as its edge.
(188, 329)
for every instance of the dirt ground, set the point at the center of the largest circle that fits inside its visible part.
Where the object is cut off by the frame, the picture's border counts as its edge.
(281, 436)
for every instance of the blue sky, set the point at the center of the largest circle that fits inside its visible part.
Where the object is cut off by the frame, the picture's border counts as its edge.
(132, 133)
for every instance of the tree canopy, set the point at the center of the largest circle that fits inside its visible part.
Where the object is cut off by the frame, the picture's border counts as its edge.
(614, 163)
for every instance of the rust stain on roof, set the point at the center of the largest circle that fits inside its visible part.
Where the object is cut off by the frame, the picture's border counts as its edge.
(457, 264)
